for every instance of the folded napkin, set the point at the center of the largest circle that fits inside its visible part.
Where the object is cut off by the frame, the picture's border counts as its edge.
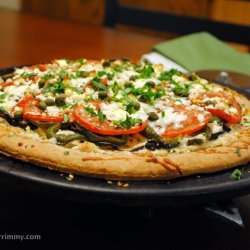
(202, 51)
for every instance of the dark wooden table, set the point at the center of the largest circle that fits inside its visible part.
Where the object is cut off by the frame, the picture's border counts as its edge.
(27, 39)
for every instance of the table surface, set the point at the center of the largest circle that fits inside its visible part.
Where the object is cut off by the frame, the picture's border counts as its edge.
(28, 39)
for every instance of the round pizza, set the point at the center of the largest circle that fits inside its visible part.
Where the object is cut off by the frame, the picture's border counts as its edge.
(118, 120)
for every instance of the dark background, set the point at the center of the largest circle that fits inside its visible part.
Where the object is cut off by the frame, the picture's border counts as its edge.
(73, 225)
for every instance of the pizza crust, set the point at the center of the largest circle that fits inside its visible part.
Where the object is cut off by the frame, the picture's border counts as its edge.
(16, 143)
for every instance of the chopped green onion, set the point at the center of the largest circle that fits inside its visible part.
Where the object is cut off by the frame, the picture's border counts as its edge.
(65, 118)
(101, 116)
(237, 174)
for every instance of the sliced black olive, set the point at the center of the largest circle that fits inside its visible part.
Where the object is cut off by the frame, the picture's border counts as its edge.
(152, 116)
(152, 145)
(106, 64)
(124, 59)
(136, 105)
(60, 100)
(216, 135)
(42, 105)
(68, 126)
(16, 122)
(132, 78)
(102, 94)
(151, 84)
(128, 84)
(142, 99)
(194, 142)
(50, 102)
(41, 83)
(225, 127)
(169, 145)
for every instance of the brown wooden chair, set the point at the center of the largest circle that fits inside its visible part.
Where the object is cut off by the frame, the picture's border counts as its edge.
(115, 13)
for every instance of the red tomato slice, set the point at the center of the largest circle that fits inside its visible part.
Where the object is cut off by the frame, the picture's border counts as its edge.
(31, 111)
(225, 114)
(190, 125)
(104, 81)
(41, 67)
(7, 84)
(22, 102)
(93, 124)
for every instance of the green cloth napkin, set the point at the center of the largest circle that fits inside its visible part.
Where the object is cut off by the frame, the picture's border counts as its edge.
(202, 51)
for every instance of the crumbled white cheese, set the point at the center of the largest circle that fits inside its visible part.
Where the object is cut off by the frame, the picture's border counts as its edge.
(146, 107)
(203, 81)
(76, 97)
(62, 62)
(170, 118)
(179, 79)
(80, 82)
(196, 89)
(201, 118)
(215, 127)
(16, 91)
(89, 91)
(233, 110)
(19, 71)
(68, 92)
(113, 111)
(141, 114)
(139, 83)
(9, 104)
(53, 111)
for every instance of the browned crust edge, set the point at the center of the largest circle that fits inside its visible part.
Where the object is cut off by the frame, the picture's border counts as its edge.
(122, 166)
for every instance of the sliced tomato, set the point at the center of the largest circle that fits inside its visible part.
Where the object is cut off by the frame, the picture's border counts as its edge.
(94, 124)
(225, 114)
(22, 102)
(190, 124)
(104, 81)
(41, 67)
(7, 84)
(31, 111)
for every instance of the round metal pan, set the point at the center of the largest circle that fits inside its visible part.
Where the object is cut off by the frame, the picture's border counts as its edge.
(182, 191)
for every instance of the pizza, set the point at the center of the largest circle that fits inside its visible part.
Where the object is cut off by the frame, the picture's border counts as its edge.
(119, 120)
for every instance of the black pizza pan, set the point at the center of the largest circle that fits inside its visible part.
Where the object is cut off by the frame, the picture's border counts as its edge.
(183, 191)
